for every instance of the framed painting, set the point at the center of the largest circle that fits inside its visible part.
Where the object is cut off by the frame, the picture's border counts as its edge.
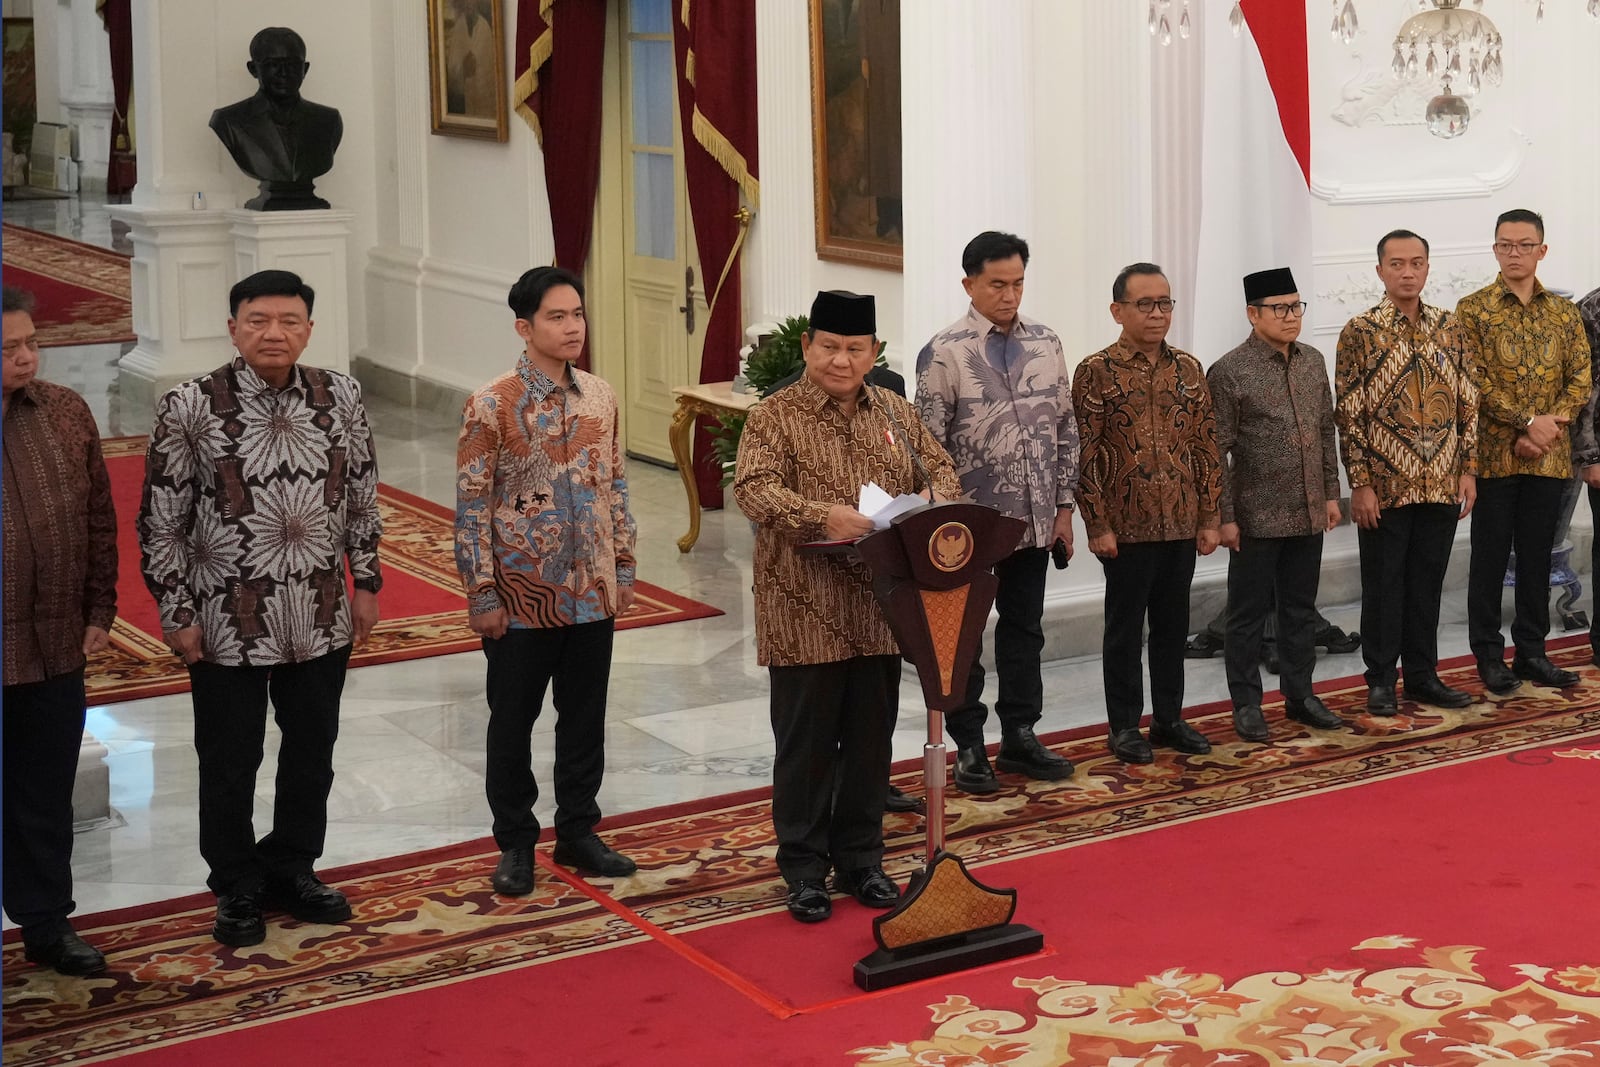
(21, 92)
(855, 123)
(466, 68)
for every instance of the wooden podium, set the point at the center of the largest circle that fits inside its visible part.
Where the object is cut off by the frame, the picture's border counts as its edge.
(933, 575)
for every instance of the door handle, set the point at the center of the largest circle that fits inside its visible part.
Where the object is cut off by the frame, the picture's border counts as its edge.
(687, 310)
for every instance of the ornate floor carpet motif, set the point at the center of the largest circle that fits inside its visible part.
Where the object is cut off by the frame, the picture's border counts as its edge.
(1413, 890)
(423, 609)
(84, 293)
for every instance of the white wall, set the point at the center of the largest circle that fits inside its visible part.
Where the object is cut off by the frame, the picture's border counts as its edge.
(781, 270)
(1376, 168)
(460, 220)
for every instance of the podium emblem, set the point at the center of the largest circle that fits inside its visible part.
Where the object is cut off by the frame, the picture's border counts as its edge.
(950, 548)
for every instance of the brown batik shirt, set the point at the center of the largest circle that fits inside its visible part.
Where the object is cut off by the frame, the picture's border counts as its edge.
(1148, 470)
(1275, 434)
(254, 497)
(1407, 405)
(799, 455)
(60, 533)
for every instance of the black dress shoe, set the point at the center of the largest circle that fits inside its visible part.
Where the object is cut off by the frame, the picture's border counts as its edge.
(1129, 746)
(239, 921)
(1180, 736)
(67, 954)
(1312, 712)
(809, 901)
(1497, 677)
(1541, 671)
(902, 801)
(1336, 641)
(1380, 700)
(973, 773)
(1250, 724)
(869, 885)
(593, 856)
(513, 875)
(305, 898)
(1269, 659)
(1021, 753)
(1432, 691)
(1202, 645)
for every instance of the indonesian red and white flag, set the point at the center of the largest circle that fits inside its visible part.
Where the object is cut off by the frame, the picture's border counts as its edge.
(1256, 164)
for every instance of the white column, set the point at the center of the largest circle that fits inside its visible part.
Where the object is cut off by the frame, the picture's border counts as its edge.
(86, 90)
(175, 86)
(182, 252)
(967, 124)
(782, 243)
(394, 266)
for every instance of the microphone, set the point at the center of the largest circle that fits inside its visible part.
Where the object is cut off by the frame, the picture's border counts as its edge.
(916, 460)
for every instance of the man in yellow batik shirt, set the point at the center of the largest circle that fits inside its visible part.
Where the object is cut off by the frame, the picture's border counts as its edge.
(1533, 379)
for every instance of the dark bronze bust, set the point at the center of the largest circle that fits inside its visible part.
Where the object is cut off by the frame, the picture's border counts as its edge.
(281, 140)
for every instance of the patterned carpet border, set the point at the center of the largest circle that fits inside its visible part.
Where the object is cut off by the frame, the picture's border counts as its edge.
(85, 292)
(418, 542)
(432, 919)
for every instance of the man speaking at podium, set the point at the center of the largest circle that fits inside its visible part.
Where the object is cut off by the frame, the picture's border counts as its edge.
(805, 453)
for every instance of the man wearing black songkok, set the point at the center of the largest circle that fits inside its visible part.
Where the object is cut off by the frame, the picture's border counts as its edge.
(1280, 494)
(805, 453)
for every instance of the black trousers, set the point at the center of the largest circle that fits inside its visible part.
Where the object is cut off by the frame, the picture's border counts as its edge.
(1018, 644)
(230, 726)
(1594, 573)
(1147, 580)
(575, 663)
(43, 727)
(1520, 512)
(1402, 578)
(830, 777)
(1263, 569)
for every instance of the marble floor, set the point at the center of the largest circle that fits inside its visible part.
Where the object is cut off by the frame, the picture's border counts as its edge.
(688, 707)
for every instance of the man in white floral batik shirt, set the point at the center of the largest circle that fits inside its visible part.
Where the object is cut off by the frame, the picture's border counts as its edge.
(260, 483)
(993, 388)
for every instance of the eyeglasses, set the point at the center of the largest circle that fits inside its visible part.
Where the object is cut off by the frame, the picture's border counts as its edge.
(1147, 305)
(1523, 248)
(1284, 311)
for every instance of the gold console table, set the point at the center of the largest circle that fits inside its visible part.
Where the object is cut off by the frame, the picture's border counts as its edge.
(713, 399)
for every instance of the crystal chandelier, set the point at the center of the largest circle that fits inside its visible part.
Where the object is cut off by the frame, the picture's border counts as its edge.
(1445, 46)
(1456, 49)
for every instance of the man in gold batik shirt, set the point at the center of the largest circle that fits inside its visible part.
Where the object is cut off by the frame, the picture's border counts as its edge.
(1533, 361)
(805, 453)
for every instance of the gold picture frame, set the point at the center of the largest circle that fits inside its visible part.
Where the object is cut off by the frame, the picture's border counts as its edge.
(855, 123)
(467, 48)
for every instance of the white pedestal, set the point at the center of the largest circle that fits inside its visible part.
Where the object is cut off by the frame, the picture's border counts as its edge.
(316, 246)
(182, 268)
(91, 790)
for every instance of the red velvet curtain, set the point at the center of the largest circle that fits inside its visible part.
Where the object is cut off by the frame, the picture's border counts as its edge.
(117, 15)
(715, 42)
(557, 93)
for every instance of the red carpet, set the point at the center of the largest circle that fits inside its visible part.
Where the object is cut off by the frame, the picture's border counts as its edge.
(1418, 890)
(423, 609)
(84, 293)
